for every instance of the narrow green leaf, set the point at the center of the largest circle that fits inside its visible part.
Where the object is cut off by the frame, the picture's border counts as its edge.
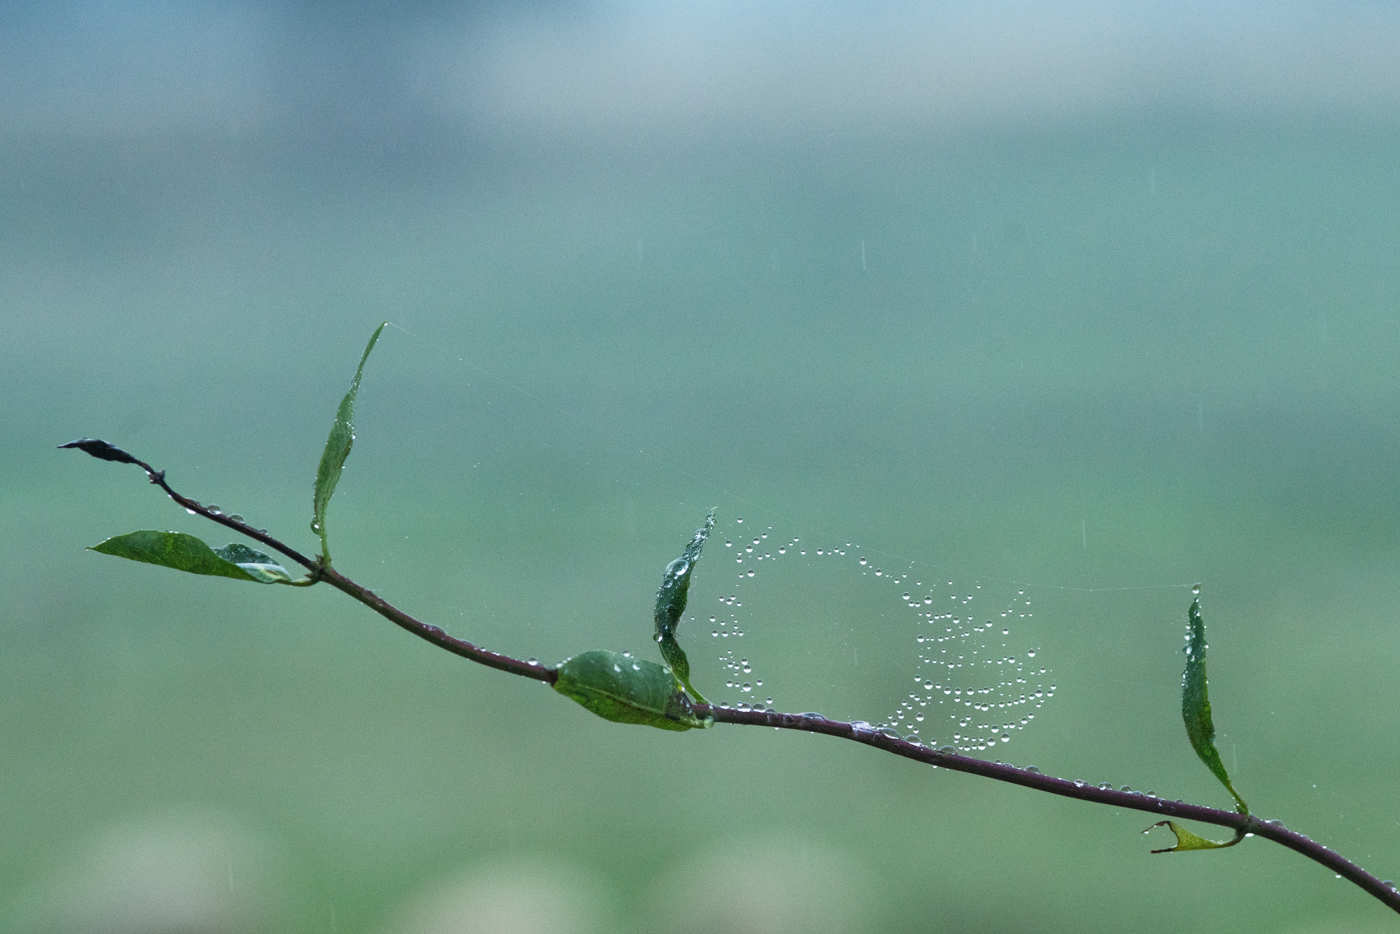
(628, 690)
(1195, 703)
(338, 445)
(670, 604)
(1186, 840)
(187, 553)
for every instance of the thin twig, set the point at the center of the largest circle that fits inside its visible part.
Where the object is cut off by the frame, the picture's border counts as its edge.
(883, 739)
(435, 635)
(322, 572)
(1084, 791)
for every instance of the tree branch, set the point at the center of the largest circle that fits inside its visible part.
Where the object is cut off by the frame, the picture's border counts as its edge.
(883, 739)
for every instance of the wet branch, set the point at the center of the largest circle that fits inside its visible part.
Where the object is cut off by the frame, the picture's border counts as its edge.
(886, 740)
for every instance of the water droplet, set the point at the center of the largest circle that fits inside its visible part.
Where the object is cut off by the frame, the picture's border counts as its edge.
(532, 661)
(739, 521)
(1033, 770)
(1196, 589)
(236, 517)
(862, 562)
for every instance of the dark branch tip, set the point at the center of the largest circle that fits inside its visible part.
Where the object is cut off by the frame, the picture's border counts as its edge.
(101, 450)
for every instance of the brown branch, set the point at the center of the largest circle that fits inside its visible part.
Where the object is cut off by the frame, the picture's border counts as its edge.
(883, 739)
(888, 741)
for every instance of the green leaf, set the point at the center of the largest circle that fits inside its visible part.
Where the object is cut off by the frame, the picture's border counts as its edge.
(338, 445)
(670, 604)
(1195, 703)
(187, 553)
(1186, 840)
(628, 690)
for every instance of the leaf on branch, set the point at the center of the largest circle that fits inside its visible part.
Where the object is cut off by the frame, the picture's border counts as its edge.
(187, 553)
(1195, 705)
(628, 690)
(1186, 840)
(338, 444)
(670, 604)
(101, 450)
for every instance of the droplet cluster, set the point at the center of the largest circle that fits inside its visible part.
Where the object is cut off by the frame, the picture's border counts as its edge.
(738, 671)
(973, 670)
(967, 666)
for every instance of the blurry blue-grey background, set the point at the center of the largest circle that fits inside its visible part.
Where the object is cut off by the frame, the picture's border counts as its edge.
(1089, 300)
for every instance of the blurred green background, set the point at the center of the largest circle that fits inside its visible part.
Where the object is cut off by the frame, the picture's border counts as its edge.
(1070, 301)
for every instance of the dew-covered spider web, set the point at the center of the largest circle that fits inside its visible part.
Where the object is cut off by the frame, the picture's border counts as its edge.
(802, 624)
